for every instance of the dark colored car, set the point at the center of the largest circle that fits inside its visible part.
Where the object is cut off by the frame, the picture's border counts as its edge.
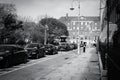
(94, 43)
(73, 46)
(64, 47)
(50, 49)
(11, 55)
(35, 50)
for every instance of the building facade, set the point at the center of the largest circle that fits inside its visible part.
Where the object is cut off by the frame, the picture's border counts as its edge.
(84, 27)
(109, 40)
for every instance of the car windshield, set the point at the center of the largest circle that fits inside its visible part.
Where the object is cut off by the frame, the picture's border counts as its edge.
(4, 48)
(32, 45)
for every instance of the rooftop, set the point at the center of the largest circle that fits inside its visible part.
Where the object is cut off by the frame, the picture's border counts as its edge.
(82, 18)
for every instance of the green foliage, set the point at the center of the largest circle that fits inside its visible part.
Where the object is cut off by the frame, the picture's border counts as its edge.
(38, 34)
(34, 32)
(8, 24)
(55, 28)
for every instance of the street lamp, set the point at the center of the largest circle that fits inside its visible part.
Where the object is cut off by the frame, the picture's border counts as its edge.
(78, 25)
(45, 38)
(46, 28)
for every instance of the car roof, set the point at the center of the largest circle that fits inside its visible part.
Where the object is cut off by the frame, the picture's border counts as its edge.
(34, 43)
(9, 45)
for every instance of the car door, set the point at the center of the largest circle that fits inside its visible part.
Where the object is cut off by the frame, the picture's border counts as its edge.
(15, 55)
(22, 54)
(41, 50)
(19, 55)
(8, 59)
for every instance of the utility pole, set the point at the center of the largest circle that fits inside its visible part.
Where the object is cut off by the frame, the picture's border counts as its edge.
(79, 52)
(79, 27)
(46, 28)
(45, 38)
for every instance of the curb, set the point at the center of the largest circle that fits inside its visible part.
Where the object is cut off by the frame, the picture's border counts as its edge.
(103, 73)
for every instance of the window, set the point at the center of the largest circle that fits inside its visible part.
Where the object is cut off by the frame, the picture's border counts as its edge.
(69, 28)
(73, 27)
(90, 22)
(95, 23)
(73, 22)
(68, 23)
(81, 23)
(95, 28)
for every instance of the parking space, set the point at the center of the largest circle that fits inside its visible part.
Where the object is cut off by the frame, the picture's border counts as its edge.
(30, 63)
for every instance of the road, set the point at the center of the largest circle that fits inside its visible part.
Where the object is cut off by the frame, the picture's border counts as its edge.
(62, 66)
(37, 69)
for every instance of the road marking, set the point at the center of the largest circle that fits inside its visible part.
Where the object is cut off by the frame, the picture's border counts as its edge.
(32, 64)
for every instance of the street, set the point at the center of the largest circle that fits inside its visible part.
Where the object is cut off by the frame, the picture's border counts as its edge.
(62, 66)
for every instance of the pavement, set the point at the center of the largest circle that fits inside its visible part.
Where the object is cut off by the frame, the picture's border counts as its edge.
(102, 71)
(84, 66)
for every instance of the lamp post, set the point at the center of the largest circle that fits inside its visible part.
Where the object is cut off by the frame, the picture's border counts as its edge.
(46, 28)
(45, 38)
(79, 52)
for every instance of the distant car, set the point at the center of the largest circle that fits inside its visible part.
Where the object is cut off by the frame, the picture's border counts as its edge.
(64, 47)
(93, 43)
(11, 55)
(73, 46)
(35, 50)
(50, 49)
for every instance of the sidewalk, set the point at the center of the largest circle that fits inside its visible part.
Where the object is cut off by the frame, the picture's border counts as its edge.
(83, 67)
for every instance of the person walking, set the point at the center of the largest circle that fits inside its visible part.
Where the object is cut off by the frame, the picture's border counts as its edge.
(84, 47)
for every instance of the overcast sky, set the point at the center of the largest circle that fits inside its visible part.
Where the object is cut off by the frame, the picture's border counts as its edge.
(54, 8)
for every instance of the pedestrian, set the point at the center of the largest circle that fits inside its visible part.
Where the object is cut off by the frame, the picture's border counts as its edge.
(84, 47)
(81, 44)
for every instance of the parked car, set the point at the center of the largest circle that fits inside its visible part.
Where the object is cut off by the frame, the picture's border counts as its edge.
(35, 50)
(50, 49)
(11, 55)
(94, 43)
(73, 46)
(64, 47)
